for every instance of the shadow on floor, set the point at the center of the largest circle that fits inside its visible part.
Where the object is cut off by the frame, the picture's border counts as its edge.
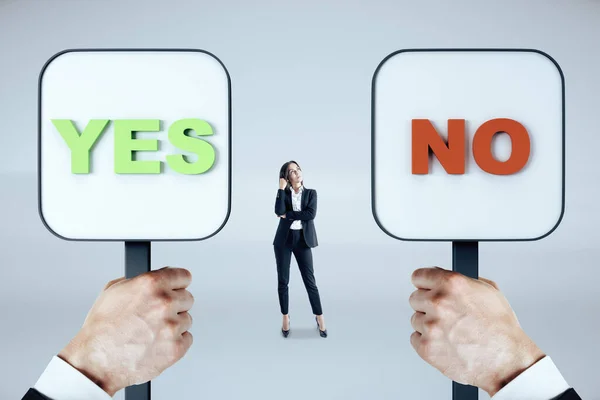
(304, 333)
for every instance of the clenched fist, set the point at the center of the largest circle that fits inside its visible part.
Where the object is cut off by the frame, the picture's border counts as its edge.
(467, 330)
(135, 330)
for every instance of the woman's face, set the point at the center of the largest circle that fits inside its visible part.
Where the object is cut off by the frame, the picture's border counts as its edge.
(294, 174)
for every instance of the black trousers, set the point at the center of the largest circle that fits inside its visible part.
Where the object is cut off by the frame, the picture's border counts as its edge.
(303, 254)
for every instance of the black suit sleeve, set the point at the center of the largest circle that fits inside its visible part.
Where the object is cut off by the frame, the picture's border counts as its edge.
(280, 202)
(33, 394)
(309, 212)
(570, 394)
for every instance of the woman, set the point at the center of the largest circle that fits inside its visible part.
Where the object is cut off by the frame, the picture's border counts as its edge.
(296, 206)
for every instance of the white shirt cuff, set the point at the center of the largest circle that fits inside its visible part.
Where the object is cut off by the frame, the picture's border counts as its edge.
(60, 381)
(541, 381)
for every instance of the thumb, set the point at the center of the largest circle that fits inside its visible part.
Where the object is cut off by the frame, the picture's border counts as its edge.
(490, 282)
(109, 284)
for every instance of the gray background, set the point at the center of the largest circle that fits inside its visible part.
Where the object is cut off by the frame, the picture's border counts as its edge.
(301, 76)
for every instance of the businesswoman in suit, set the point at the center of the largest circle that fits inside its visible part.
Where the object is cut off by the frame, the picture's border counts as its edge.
(296, 206)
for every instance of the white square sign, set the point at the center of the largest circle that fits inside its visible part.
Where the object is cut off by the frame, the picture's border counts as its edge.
(468, 144)
(134, 145)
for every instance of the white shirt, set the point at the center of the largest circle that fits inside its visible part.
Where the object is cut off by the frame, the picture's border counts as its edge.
(296, 206)
(541, 381)
(60, 381)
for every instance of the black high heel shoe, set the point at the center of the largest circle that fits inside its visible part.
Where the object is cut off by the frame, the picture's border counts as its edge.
(285, 333)
(322, 333)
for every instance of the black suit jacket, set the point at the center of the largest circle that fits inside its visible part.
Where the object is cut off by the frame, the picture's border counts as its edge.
(283, 205)
(33, 394)
(568, 395)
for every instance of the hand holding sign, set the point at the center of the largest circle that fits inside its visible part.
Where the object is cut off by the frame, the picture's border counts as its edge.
(468, 146)
(107, 172)
(136, 329)
(467, 330)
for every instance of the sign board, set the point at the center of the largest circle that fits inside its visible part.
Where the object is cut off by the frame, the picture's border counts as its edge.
(134, 144)
(468, 145)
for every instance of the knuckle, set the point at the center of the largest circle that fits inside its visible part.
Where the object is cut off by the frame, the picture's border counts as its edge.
(454, 280)
(149, 280)
(414, 337)
(438, 301)
(165, 302)
(433, 328)
(493, 283)
(415, 274)
(179, 348)
(188, 274)
(424, 349)
(171, 328)
(110, 283)
(411, 297)
(184, 273)
(442, 304)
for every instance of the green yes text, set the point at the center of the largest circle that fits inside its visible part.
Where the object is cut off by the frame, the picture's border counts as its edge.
(125, 145)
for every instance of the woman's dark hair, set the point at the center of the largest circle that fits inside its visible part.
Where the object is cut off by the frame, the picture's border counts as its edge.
(283, 172)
